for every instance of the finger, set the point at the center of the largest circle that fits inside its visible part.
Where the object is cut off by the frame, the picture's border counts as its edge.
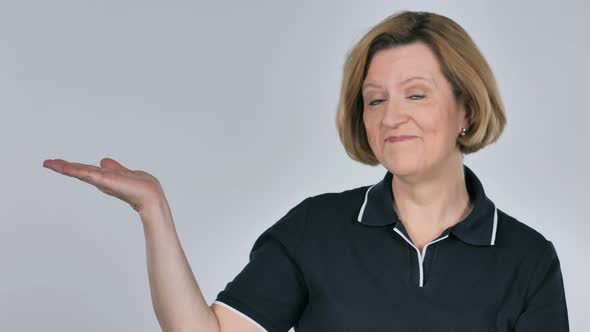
(112, 164)
(87, 173)
(63, 166)
(55, 164)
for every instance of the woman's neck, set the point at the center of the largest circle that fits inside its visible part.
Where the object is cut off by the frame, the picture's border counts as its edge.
(432, 203)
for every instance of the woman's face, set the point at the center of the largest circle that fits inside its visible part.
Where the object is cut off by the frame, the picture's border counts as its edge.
(405, 93)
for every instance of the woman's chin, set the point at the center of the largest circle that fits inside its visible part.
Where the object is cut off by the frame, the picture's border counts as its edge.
(401, 167)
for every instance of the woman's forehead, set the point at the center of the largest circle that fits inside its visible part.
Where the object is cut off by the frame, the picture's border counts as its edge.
(403, 68)
(400, 78)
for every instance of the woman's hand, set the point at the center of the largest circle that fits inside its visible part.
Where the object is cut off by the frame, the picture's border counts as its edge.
(137, 188)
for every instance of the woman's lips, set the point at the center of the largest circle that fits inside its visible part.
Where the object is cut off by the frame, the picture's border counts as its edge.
(394, 139)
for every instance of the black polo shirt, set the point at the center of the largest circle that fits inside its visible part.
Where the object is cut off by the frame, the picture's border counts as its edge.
(344, 262)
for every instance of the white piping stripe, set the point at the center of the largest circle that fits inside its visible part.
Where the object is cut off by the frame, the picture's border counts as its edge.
(241, 314)
(420, 256)
(495, 226)
(360, 216)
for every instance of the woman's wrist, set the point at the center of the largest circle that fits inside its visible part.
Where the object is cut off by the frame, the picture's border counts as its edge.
(156, 213)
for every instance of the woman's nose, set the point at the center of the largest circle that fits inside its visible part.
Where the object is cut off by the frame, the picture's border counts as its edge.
(395, 113)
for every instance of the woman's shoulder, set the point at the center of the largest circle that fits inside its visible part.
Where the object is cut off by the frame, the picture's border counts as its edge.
(517, 235)
(316, 208)
(342, 196)
(338, 204)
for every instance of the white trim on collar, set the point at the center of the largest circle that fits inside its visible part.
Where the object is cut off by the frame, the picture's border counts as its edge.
(493, 241)
(360, 216)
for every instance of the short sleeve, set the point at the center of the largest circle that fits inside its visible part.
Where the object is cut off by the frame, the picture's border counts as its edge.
(545, 308)
(270, 290)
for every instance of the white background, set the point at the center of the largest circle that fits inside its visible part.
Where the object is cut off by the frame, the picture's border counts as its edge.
(232, 106)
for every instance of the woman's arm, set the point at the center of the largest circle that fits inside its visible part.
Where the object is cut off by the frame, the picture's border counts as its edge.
(176, 297)
(546, 307)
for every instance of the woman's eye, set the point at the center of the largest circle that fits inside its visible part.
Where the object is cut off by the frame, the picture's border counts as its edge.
(412, 97)
(372, 103)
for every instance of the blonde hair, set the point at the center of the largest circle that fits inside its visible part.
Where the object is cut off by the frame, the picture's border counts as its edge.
(461, 63)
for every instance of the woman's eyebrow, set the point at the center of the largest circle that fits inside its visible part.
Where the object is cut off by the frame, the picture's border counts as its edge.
(408, 80)
(405, 81)
(374, 85)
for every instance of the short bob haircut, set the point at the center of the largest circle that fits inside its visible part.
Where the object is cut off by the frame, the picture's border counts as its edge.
(461, 63)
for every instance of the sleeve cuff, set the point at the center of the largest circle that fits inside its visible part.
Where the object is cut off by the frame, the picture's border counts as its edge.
(245, 312)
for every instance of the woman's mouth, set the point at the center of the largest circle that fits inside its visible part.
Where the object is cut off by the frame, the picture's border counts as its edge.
(394, 139)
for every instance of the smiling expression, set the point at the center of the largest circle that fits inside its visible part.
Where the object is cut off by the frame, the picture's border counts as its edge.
(406, 94)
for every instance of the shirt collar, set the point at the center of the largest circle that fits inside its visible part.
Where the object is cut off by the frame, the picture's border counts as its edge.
(478, 228)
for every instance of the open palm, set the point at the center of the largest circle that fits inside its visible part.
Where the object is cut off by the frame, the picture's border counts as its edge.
(135, 187)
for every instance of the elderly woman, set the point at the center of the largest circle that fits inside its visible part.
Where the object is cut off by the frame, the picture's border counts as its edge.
(423, 249)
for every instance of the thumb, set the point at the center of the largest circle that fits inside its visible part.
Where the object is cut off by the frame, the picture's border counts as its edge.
(112, 164)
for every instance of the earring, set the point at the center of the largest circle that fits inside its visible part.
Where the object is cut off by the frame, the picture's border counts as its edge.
(463, 131)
